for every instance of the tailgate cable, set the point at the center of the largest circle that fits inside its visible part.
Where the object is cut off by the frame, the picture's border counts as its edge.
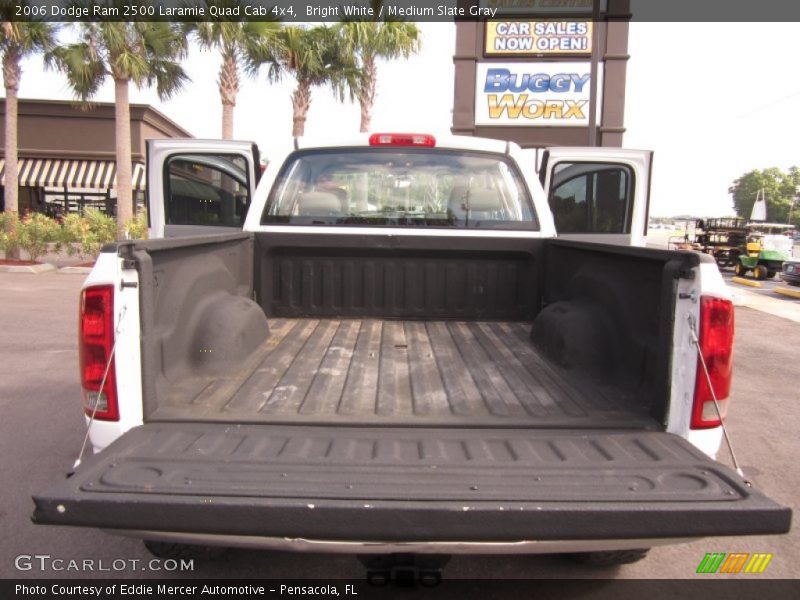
(696, 342)
(117, 331)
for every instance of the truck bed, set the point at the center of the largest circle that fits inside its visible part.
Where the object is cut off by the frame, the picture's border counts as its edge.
(402, 372)
(405, 331)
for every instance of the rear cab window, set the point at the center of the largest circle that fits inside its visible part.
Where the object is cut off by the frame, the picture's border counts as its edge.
(405, 187)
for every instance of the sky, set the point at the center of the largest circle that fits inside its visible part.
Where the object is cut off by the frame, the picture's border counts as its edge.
(712, 100)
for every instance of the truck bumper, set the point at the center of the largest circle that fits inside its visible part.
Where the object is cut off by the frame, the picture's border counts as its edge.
(302, 545)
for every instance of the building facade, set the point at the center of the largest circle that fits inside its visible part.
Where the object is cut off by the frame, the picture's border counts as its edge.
(67, 156)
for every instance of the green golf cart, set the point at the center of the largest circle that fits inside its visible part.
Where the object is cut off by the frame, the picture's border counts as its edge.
(768, 247)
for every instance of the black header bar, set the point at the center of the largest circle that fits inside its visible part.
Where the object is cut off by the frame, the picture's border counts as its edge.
(319, 11)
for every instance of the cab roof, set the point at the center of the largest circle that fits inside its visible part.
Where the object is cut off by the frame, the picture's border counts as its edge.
(445, 140)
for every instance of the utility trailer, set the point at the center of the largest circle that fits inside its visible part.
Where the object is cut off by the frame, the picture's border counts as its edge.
(725, 239)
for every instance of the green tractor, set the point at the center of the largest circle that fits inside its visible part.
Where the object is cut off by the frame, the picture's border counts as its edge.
(767, 248)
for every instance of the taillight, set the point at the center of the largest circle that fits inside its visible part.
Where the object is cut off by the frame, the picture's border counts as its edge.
(96, 344)
(716, 345)
(402, 139)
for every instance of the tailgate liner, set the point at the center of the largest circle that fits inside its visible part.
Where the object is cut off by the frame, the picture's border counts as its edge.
(408, 484)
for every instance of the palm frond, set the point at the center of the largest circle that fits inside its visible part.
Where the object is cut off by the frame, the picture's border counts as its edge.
(116, 37)
(130, 65)
(24, 38)
(168, 76)
(146, 53)
(84, 72)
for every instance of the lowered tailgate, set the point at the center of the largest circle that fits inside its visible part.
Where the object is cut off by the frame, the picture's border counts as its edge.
(408, 484)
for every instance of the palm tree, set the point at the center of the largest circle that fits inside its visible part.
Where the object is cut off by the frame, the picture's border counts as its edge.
(315, 57)
(17, 40)
(129, 52)
(371, 40)
(239, 43)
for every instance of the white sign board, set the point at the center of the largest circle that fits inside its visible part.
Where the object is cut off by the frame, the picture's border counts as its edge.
(516, 37)
(538, 94)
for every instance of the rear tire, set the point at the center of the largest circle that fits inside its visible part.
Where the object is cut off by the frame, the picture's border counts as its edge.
(723, 259)
(610, 558)
(760, 272)
(183, 551)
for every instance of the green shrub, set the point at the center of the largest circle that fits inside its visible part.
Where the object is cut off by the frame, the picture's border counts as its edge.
(9, 233)
(136, 228)
(74, 228)
(36, 231)
(101, 229)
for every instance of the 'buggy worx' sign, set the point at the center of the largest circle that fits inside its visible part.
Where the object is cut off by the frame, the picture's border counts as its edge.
(555, 94)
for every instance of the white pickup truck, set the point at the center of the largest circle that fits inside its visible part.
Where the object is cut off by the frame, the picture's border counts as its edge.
(384, 347)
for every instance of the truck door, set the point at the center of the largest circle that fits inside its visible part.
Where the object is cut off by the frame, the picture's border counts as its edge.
(598, 194)
(199, 186)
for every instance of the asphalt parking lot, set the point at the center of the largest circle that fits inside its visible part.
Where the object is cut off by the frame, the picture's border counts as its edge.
(41, 430)
(768, 286)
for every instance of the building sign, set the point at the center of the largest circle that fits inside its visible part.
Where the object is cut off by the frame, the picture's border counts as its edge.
(544, 7)
(555, 94)
(517, 37)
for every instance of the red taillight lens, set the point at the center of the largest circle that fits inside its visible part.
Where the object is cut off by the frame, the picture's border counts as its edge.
(402, 139)
(716, 344)
(96, 343)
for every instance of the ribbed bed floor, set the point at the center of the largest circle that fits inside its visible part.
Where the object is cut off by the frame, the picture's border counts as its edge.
(404, 372)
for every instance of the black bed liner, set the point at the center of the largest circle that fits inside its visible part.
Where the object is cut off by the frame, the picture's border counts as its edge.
(403, 484)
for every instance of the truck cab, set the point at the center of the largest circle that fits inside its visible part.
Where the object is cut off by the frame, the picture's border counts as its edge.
(594, 194)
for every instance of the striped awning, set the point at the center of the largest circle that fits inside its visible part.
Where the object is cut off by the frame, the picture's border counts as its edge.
(89, 174)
